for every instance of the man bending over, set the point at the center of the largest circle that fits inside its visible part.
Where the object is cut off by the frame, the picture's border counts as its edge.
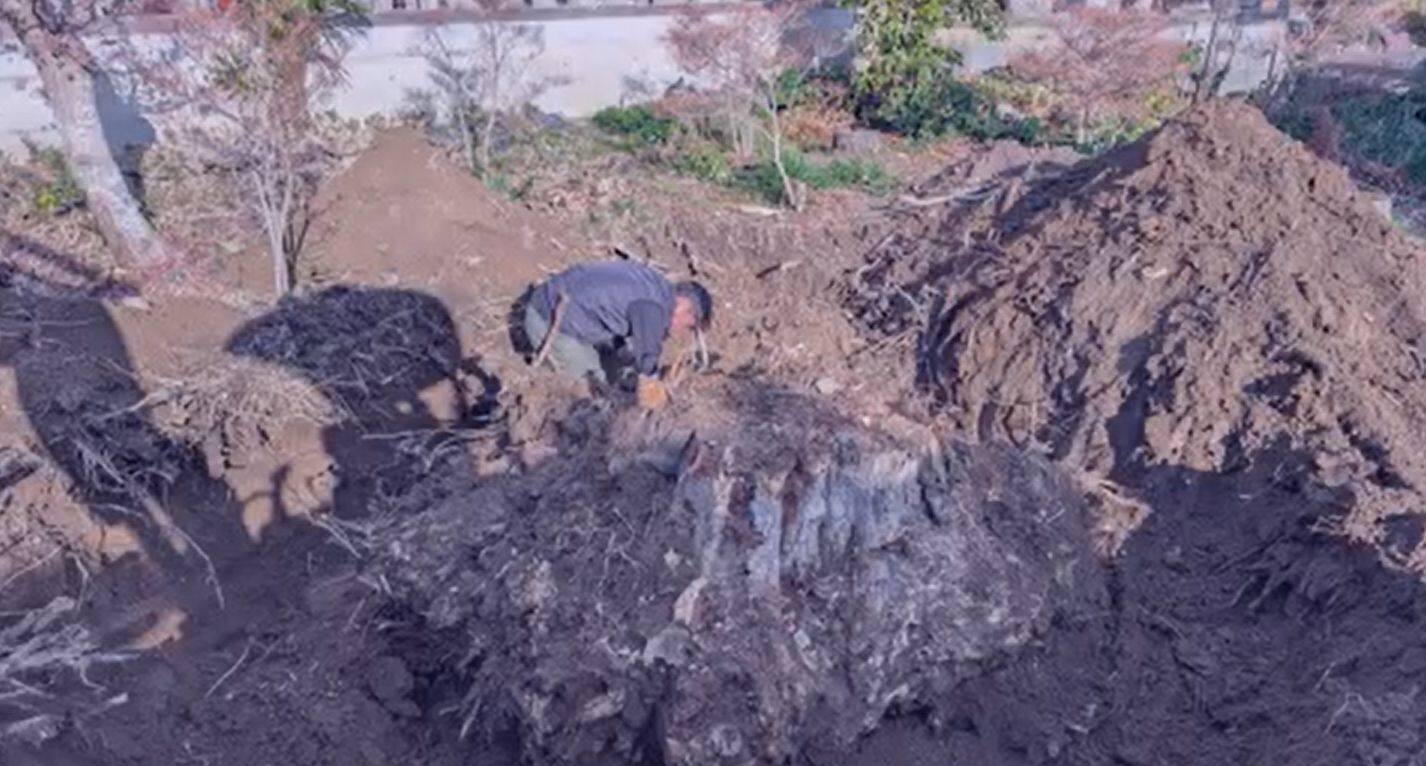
(602, 310)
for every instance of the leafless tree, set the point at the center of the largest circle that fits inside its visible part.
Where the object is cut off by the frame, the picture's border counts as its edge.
(741, 54)
(51, 33)
(1103, 62)
(492, 78)
(1219, 50)
(244, 84)
(1341, 22)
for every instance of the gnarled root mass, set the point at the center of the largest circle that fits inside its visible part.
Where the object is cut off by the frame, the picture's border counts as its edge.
(737, 600)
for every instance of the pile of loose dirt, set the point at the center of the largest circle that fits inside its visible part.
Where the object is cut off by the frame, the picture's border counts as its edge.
(404, 212)
(1190, 300)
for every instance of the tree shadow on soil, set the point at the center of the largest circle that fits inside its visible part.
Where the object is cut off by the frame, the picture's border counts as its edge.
(79, 391)
(77, 386)
(54, 272)
(391, 361)
(382, 355)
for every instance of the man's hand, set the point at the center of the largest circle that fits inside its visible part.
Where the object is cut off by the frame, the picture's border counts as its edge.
(652, 394)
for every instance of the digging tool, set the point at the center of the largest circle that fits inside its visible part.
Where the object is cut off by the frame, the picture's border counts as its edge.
(556, 315)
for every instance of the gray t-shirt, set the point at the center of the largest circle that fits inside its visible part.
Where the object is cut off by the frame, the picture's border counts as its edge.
(608, 301)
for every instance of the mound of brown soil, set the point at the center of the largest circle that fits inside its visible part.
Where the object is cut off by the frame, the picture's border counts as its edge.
(404, 212)
(1191, 300)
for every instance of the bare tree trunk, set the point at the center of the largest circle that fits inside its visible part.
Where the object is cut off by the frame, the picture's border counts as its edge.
(293, 98)
(274, 224)
(463, 103)
(1222, 73)
(67, 73)
(459, 99)
(789, 190)
(467, 134)
(1210, 52)
(494, 49)
(485, 134)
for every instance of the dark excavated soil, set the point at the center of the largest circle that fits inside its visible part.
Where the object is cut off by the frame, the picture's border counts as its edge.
(1221, 325)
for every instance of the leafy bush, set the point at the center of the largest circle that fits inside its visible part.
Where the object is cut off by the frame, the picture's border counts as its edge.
(905, 79)
(938, 104)
(1369, 131)
(793, 87)
(841, 173)
(1295, 123)
(638, 123)
(762, 180)
(956, 107)
(706, 163)
(1386, 129)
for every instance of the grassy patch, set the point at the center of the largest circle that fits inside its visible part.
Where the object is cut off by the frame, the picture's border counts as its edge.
(763, 179)
(636, 124)
(505, 185)
(706, 163)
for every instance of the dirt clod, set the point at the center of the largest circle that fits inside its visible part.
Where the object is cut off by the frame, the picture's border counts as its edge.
(389, 679)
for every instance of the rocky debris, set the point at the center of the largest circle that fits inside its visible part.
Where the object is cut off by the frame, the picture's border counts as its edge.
(1193, 299)
(763, 597)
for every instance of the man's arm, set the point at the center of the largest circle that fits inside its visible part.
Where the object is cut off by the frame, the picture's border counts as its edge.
(648, 324)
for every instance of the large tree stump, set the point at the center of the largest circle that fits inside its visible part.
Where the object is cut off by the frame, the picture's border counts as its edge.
(760, 598)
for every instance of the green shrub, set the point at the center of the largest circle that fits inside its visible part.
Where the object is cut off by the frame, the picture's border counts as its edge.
(706, 163)
(59, 193)
(794, 88)
(862, 174)
(1385, 129)
(939, 104)
(905, 77)
(637, 123)
(502, 183)
(1294, 123)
